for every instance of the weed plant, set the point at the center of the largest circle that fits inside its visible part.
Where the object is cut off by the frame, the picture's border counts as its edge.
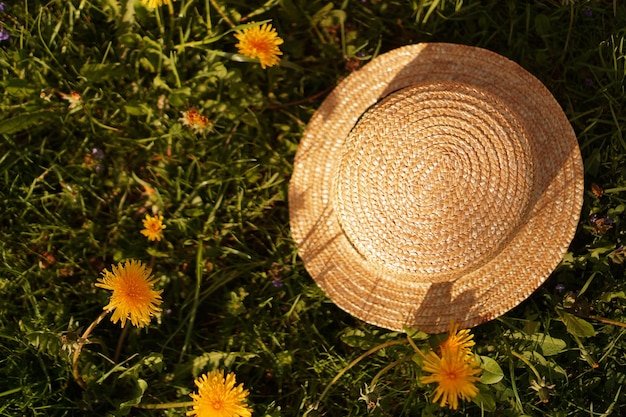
(95, 135)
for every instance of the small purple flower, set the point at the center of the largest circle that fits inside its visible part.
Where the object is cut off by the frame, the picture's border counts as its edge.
(588, 82)
(601, 224)
(587, 12)
(277, 283)
(2, 6)
(4, 35)
(559, 287)
(601, 220)
(97, 153)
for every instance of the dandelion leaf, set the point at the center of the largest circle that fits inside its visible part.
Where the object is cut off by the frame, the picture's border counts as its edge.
(485, 398)
(137, 394)
(577, 326)
(100, 72)
(492, 373)
(24, 121)
(20, 88)
(543, 25)
(135, 108)
(45, 341)
(551, 345)
(216, 360)
(355, 338)
(112, 9)
(157, 253)
(610, 296)
(548, 345)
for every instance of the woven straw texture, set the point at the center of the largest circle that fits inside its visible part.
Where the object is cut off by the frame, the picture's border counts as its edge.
(438, 183)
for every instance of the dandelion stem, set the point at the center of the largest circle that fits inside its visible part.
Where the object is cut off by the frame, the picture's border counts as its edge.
(120, 343)
(607, 321)
(221, 13)
(81, 342)
(414, 346)
(356, 361)
(164, 405)
(388, 367)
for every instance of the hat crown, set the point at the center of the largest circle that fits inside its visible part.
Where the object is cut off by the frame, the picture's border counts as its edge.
(433, 180)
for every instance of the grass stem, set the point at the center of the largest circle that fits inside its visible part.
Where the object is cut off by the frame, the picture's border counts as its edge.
(196, 300)
(164, 406)
(355, 362)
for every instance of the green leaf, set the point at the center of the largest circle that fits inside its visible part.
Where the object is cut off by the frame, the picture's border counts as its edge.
(596, 253)
(112, 9)
(100, 72)
(542, 25)
(610, 296)
(137, 394)
(551, 345)
(531, 327)
(157, 253)
(334, 17)
(577, 326)
(217, 360)
(138, 109)
(24, 121)
(180, 96)
(130, 40)
(45, 341)
(492, 372)
(485, 398)
(535, 357)
(355, 338)
(20, 88)
(321, 13)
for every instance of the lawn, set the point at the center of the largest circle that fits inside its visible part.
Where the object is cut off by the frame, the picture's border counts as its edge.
(117, 117)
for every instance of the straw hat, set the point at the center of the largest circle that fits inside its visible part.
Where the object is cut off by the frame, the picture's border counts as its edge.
(438, 183)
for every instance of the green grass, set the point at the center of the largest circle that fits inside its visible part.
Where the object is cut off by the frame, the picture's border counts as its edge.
(76, 183)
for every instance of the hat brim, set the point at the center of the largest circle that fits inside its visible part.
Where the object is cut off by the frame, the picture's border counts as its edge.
(394, 299)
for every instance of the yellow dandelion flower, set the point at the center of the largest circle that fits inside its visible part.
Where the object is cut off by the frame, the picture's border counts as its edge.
(155, 3)
(194, 119)
(134, 297)
(219, 397)
(260, 42)
(458, 341)
(454, 374)
(153, 227)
